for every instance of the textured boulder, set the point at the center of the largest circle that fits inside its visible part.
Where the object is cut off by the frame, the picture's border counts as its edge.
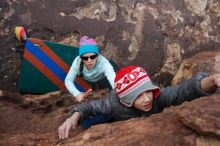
(208, 61)
(204, 117)
(183, 125)
(156, 35)
(34, 120)
(195, 123)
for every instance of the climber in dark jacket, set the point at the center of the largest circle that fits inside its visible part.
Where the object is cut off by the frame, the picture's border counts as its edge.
(135, 96)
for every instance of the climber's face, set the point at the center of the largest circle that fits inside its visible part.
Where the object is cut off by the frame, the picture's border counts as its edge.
(144, 101)
(89, 59)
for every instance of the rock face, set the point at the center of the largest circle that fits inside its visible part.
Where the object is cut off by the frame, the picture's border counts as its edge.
(34, 120)
(201, 62)
(175, 126)
(194, 124)
(154, 34)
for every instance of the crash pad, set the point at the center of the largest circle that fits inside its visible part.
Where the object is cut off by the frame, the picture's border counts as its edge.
(45, 65)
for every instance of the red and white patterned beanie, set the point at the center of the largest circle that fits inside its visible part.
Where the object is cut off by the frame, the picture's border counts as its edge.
(130, 82)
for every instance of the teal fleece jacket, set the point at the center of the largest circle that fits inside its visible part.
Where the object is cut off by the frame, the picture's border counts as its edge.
(102, 68)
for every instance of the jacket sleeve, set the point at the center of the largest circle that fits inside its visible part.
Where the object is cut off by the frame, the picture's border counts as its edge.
(69, 80)
(187, 91)
(109, 72)
(95, 107)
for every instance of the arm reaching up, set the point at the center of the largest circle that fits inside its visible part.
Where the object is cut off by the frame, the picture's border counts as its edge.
(210, 83)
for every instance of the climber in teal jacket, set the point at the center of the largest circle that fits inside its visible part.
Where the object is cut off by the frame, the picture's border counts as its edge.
(135, 96)
(91, 66)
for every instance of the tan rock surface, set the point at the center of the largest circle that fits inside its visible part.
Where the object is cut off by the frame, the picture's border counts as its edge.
(207, 61)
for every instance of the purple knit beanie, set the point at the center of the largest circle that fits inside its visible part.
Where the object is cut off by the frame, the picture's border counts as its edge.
(87, 45)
